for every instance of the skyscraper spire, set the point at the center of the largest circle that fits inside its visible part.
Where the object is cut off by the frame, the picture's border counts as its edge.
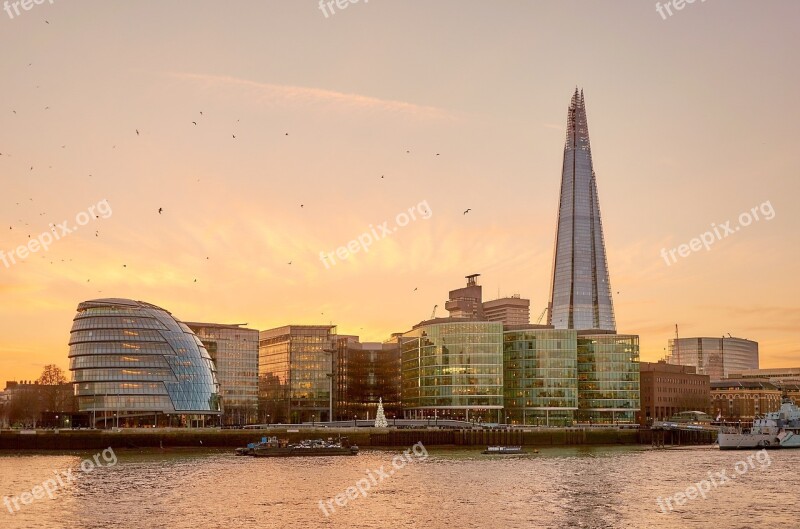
(581, 292)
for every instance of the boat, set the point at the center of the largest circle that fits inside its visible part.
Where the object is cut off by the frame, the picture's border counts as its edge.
(274, 447)
(777, 429)
(505, 451)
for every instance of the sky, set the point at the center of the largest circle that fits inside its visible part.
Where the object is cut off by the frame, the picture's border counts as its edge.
(269, 132)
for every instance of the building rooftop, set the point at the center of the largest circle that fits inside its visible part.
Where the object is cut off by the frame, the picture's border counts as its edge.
(743, 384)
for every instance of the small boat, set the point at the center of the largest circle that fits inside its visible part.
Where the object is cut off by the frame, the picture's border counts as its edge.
(273, 447)
(505, 450)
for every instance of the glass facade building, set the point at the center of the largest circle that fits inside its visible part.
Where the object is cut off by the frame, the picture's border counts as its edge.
(234, 350)
(365, 373)
(608, 378)
(580, 292)
(541, 375)
(453, 369)
(133, 363)
(295, 373)
(715, 357)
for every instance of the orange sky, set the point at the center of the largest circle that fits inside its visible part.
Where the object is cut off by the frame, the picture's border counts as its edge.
(692, 119)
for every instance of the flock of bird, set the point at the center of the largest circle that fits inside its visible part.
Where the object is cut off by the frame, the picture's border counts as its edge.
(160, 209)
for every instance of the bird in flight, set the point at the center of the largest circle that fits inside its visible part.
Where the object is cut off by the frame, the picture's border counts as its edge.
(381, 176)
(195, 280)
(415, 289)
(137, 132)
(290, 262)
(194, 122)
(160, 210)
(301, 205)
(234, 136)
(467, 210)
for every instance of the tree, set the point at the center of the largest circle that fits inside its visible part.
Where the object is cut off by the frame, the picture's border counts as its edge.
(52, 375)
(55, 391)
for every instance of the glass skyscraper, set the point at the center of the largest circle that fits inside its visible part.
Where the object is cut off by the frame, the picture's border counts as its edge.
(581, 293)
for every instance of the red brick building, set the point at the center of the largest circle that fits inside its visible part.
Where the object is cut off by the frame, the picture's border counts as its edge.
(668, 389)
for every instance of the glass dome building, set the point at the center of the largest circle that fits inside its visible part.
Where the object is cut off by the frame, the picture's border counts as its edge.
(134, 364)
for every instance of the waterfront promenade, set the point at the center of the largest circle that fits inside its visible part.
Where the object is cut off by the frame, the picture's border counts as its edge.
(362, 436)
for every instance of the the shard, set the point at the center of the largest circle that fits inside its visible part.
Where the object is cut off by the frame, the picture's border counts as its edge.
(580, 295)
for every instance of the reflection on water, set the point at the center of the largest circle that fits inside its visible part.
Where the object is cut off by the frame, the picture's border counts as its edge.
(576, 487)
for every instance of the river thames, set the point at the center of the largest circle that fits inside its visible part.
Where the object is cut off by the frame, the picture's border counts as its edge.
(598, 487)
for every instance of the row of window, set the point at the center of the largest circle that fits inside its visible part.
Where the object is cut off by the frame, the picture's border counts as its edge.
(112, 322)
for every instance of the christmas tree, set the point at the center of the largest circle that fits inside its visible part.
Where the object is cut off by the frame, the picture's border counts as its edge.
(380, 418)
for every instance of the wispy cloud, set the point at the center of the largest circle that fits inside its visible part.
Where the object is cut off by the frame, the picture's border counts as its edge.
(271, 94)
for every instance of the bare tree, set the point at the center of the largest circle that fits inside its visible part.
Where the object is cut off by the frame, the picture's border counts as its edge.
(52, 375)
(56, 392)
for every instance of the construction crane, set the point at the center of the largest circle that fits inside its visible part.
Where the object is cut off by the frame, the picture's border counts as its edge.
(433, 314)
(538, 321)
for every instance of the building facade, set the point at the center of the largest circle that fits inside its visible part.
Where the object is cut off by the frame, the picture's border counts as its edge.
(508, 311)
(453, 369)
(365, 374)
(743, 400)
(540, 375)
(466, 302)
(715, 357)
(580, 289)
(608, 378)
(234, 350)
(776, 376)
(669, 389)
(296, 373)
(134, 364)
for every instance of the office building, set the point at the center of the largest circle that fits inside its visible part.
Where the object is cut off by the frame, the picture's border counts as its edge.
(608, 378)
(668, 389)
(580, 289)
(775, 375)
(466, 302)
(234, 350)
(715, 357)
(540, 375)
(452, 368)
(508, 311)
(134, 364)
(296, 374)
(365, 374)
